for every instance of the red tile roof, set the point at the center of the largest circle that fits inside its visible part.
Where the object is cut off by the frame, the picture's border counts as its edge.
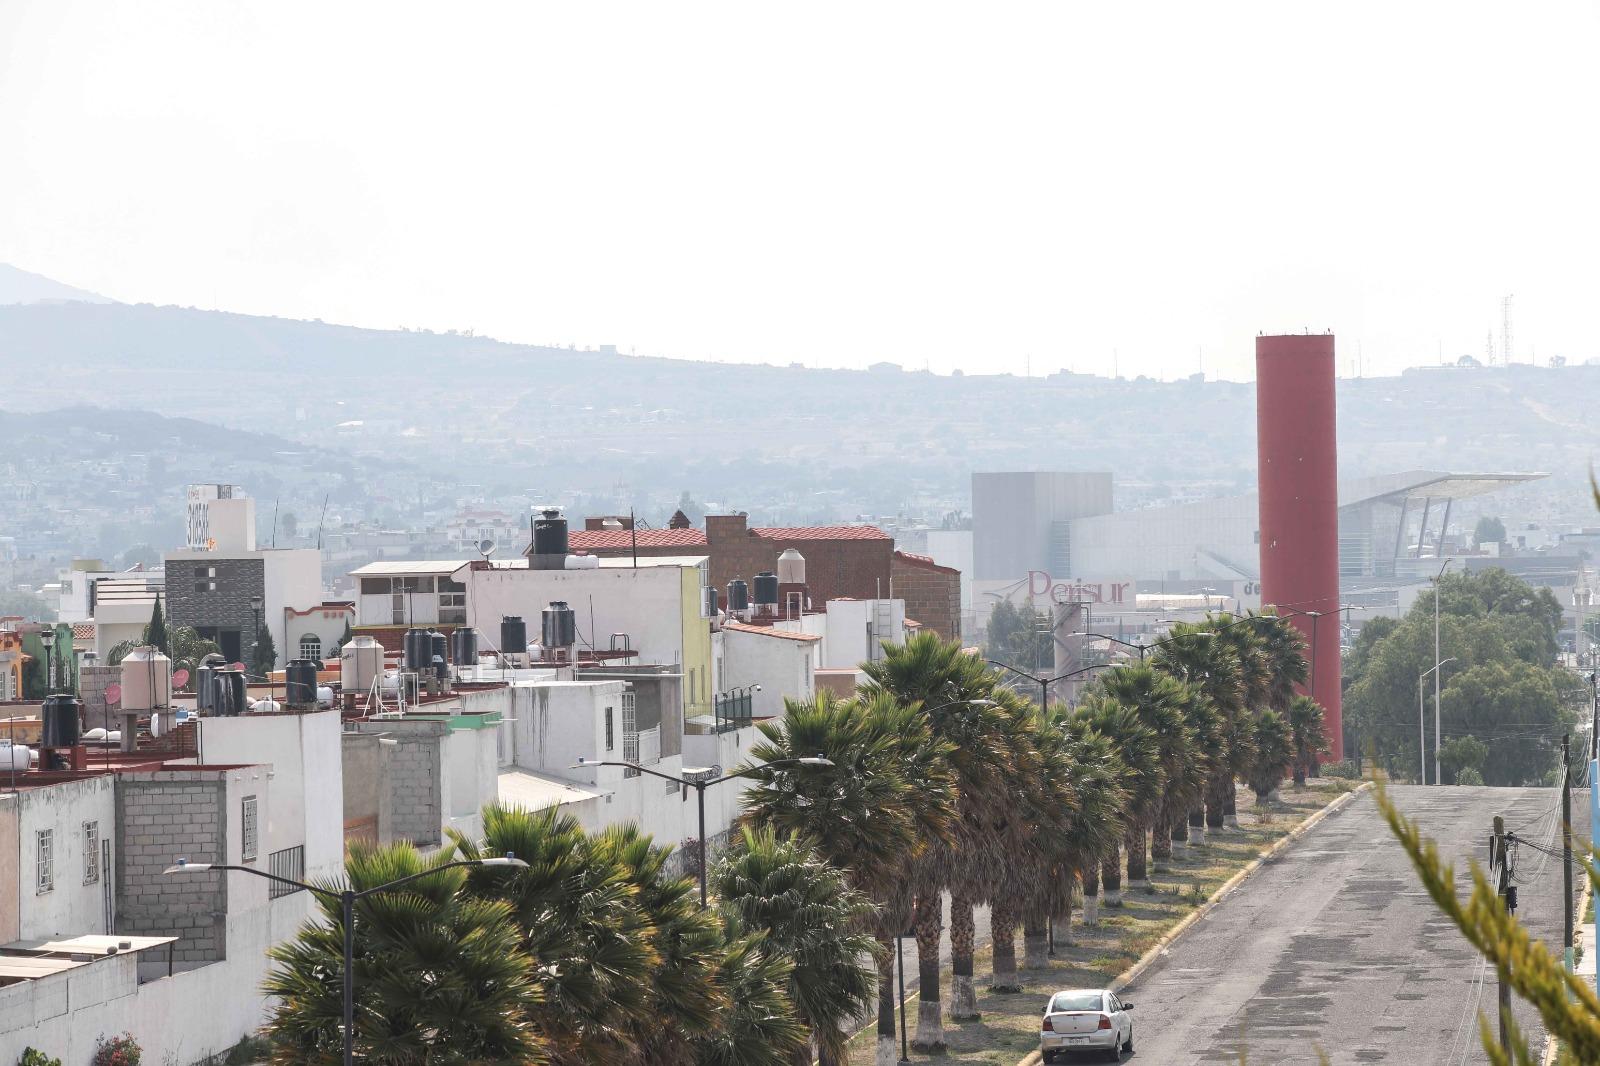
(820, 533)
(768, 631)
(614, 539)
(924, 562)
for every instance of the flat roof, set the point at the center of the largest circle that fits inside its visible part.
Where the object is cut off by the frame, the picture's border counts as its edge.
(409, 568)
(524, 788)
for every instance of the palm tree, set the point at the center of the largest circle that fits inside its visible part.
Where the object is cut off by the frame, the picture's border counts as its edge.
(439, 975)
(953, 689)
(1272, 755)
(1201, 655)
(760, 1027)
(1285, 652)
(577, 908)
(888, 796)
(1160, 703)
(1101, 781)
(1141, 752)
(686, 1005)
(781, 887)
(1037, 805)
(1309, 732)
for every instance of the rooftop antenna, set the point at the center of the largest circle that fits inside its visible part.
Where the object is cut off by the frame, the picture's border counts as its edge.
(486, 548)
(1488, 349)
(321, 520)
(1505, 327)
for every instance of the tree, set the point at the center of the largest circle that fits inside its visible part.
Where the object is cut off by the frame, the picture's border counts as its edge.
(264, 655)
(953, 690)
(1160, 703)
(1196, 654)
(760, 1027)
(1145, 782)
(889, 795)
(1308, 734)
(809, 914)
(577, 917)
(1489, 530)
(29, 606)
(186, 647)
(439, 976)
(140, 555)
(155, 633)
(1463, 755)
(1272, 753)
(345, 637)
(1018, 636)
(1521, 744)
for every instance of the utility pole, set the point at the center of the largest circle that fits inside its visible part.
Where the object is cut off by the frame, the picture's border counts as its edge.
(1500, 868)
(1566, 849)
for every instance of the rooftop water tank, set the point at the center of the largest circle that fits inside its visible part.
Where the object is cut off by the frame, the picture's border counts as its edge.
(418, 649)
(146, 680)
(360, 661)
(513, 635)
(230, 693)
(300, 682)
(63, 722)
(738, 595)
(791, 568)
(464, 648)
(549, 549)
(559, 625)
(14, 756)
(767, 589)
(439, 653)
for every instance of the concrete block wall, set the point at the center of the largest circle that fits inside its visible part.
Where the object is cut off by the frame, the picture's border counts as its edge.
(932, 595)
(238, 582)
(414, 773)
(159, 818)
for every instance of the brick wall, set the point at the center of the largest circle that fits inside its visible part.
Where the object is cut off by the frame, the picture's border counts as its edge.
(92, 682)
(414, 776)
(238, 582)
(932, 594)
(158, 819)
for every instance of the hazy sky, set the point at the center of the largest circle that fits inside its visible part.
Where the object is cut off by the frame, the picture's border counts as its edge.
(950, 185)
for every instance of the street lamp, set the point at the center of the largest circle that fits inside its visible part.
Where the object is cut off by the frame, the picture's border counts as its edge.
(700, 780)
(347, 903)
(47, 637)
(1422, 740)
(255, 635)
(1044, 683)
(1141, 648)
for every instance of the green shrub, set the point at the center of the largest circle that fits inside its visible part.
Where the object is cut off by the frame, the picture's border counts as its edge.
(31, 1057)
(249, 1049)
(120, 1050)
(1345, 770)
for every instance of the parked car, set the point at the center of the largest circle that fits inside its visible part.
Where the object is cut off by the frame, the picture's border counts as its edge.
(1086, 1020)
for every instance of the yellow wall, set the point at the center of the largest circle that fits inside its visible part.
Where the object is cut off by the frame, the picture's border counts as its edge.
(696, 646)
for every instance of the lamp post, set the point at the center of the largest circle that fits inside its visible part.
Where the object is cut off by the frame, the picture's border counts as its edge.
(1140, 647)
(1437, 663)
(47, 637)
(1422, 740)
(255, 634)
(347, 906)
(701, 780)
(1044, 683)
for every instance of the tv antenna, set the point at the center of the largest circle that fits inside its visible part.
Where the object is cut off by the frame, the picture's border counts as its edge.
(486, 548)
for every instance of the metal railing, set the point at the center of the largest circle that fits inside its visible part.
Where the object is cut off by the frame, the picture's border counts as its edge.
(732, 711)
(290, 863)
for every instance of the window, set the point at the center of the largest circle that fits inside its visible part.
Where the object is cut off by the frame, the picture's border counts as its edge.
(452, 601)
(310, 646)
(248, 835)
(610, 731)
(205, 579)
(91, 852)
(630, 733)
(45, 855)
(374, 586)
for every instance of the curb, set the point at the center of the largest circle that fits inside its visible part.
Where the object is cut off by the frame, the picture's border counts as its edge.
(1148, 959)
(1552, 1047)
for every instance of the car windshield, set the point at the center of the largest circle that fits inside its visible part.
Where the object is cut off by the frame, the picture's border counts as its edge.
(1075, 1001)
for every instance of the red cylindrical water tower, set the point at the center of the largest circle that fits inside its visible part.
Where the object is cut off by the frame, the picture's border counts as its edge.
(1297, 446)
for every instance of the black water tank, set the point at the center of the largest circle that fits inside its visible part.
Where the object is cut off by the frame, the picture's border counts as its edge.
(204, 689)
(711, 602)
(418, 650)
(550, 533)
(559, 626)
(464, 647)
(439, 652)
(300, 682)
(738, 595)
(232, 693)
(513, 635)
(767, 588)
(63, 723)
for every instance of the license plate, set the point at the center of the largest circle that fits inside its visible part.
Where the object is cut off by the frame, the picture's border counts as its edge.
(1076, 1039)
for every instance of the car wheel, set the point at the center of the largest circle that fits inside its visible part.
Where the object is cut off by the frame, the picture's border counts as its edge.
(1128, 1044)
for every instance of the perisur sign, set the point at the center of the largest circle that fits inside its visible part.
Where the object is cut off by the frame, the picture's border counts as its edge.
(1042, 586)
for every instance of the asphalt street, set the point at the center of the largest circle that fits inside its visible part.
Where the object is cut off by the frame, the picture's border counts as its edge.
(1334, 944)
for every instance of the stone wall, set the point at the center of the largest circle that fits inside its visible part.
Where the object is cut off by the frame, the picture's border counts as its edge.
(191, 602)
(176, 813)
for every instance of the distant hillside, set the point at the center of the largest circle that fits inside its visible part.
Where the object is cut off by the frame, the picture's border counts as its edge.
(96, 430)
(21, 287)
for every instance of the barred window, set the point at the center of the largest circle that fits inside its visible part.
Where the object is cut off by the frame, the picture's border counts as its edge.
(91, 852)
(310, 646)
(248, 833)
(45, 853)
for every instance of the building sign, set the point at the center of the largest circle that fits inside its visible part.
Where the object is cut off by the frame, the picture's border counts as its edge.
(1118, 593)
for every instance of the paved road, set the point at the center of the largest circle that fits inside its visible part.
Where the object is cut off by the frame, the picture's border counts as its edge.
(1335, 944)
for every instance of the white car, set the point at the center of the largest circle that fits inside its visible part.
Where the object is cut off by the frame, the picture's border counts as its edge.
(1085, 1019)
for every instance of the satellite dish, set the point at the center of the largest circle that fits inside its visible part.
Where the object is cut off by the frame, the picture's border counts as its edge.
(180, 677)
(237, 666)
(113, 693)
(486, 548)
(156, 728)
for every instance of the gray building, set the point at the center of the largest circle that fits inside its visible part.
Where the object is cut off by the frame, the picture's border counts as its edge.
(1023, 521)
(224, 595)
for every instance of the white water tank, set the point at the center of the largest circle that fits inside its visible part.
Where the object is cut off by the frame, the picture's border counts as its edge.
(15, 756)
(583, 562)
(146, 681)
(325, 695)
(791, 568)
(265, 706)
(360, 661)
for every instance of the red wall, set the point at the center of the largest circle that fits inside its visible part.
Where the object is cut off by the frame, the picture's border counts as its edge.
(1297, 444)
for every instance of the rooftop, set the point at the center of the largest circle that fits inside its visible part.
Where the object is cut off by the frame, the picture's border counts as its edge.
(769, 631)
